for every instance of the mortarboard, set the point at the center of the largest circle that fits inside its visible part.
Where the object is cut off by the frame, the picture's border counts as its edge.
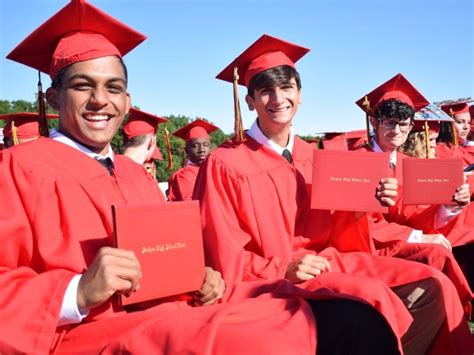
(196, 129)
(265, 53)
(78, 32)
(428, 120)
(455, 108)
(141, 123)
(432, 115)
(22, 125)
(398, 88)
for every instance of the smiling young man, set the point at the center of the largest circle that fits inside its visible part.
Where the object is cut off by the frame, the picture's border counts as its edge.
(255, 207)
(59, 272)
(198, 146)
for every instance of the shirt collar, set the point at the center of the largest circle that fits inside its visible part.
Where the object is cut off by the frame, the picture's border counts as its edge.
(256, 133)
(59, 137)
(468, 143)
(393, 155)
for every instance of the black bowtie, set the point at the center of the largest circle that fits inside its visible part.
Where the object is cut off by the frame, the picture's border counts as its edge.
(287, 155)
(107, 163)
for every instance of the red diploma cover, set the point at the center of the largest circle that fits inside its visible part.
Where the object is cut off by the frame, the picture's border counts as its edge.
(431, 181)
(167, 240)
(347, 181)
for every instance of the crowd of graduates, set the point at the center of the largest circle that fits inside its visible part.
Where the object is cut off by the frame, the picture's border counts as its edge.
(280, 277)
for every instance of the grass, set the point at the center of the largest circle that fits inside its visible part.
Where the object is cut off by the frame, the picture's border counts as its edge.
(471, 326)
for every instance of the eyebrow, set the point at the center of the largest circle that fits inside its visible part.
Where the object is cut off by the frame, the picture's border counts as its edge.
(89, 78)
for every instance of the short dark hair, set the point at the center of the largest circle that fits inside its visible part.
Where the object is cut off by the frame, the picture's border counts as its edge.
(394, 108)
(274, 76)
(58, 80)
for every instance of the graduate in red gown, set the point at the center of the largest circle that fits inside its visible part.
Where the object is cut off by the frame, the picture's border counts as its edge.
(198, 146)
(453, 140)
(59, 272)
(254, 196)
(408, 232)
(140, 139)
(21, 127)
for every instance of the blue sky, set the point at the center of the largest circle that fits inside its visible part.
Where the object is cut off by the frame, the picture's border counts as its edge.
(355, 46)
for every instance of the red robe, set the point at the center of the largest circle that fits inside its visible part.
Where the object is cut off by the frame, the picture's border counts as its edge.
(55, 213)
(389, 234)
(181, 183)
(256, 219)
(444, 150)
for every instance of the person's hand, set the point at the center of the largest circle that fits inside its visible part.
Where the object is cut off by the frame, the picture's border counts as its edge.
(306, 267)
(462, 195)
(387, 191)
(212, 289)
(112, 271)
(436, 239)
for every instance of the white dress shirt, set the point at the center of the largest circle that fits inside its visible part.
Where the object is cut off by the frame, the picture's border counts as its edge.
(256, 133)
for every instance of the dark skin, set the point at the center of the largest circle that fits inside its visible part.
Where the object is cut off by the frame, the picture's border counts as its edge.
(197, 149)
(92, 103)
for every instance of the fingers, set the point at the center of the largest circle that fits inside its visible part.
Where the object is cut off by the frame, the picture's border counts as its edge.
(307, 267)
(387, 191)
(212, 289)
(463, 195)
(113, 270)
(442, 240)
(437, 239)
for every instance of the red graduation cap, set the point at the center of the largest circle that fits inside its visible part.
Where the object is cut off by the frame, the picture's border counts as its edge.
(455, 108)
(196, 129)
(141, 123)
(265, 53)
(78, 32)
(398, 88)
(23, 125)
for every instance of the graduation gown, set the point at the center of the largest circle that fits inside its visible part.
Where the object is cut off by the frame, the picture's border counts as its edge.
(181, 183)
(55, 214)
(389, 234)
(256, 219)
(444, 150)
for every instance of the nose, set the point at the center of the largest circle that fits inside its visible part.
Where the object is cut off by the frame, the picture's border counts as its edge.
(99, 97)
(277, 95)
(397, 129)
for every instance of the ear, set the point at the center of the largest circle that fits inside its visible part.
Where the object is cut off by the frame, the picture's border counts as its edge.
(52, 98)
(250, 102)
(129, 102)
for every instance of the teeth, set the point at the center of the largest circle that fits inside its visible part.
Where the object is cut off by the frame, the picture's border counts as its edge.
(97, 117)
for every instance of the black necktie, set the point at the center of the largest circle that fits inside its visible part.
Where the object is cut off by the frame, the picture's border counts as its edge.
(107, 163)
(287, 155)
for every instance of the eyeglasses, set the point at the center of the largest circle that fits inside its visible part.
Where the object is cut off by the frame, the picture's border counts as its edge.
(404, 126)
